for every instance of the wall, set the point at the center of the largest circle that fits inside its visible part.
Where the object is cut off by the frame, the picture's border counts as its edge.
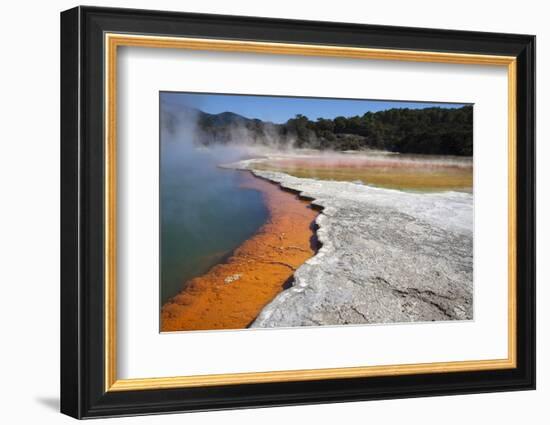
(29, 228)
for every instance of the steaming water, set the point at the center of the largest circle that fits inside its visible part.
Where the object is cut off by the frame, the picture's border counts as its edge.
(205, 214)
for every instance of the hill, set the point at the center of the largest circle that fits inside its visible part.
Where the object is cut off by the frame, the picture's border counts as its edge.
(441, 131)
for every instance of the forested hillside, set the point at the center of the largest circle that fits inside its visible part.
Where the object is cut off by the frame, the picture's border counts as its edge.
(442, 131)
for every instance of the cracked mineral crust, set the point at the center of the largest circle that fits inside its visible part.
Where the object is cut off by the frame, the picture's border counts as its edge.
(387, 256)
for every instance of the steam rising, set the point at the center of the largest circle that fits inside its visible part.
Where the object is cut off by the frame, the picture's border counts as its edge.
(204, 212)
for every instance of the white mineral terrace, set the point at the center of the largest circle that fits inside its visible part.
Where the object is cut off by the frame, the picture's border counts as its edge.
(387, 256)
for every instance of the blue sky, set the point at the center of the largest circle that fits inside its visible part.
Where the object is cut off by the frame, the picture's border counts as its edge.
(280, 109)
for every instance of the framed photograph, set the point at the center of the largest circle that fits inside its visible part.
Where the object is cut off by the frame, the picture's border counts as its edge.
(261, 212)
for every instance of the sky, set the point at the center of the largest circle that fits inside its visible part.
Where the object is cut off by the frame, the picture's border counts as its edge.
(279, 109)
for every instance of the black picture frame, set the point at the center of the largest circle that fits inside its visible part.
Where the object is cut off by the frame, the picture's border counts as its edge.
(82, 219)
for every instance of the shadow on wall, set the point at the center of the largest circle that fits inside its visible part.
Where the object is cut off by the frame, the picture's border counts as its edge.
(49, 402)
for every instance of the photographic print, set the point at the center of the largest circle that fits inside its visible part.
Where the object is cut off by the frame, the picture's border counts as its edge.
(257, 184)
(297, 211)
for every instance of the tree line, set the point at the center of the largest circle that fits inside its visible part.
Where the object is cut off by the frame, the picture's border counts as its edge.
(441, 131)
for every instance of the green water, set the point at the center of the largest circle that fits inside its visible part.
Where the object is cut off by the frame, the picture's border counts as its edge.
(204, 213)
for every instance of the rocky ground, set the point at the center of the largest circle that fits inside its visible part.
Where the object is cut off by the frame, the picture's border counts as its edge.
(387, 256)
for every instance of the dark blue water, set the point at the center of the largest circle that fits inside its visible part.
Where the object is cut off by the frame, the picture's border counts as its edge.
(204, 213)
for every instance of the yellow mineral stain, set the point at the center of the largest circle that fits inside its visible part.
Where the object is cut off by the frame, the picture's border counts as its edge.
(391, 173)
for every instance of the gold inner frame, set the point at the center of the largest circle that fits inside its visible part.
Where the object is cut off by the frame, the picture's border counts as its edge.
(113, 41)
